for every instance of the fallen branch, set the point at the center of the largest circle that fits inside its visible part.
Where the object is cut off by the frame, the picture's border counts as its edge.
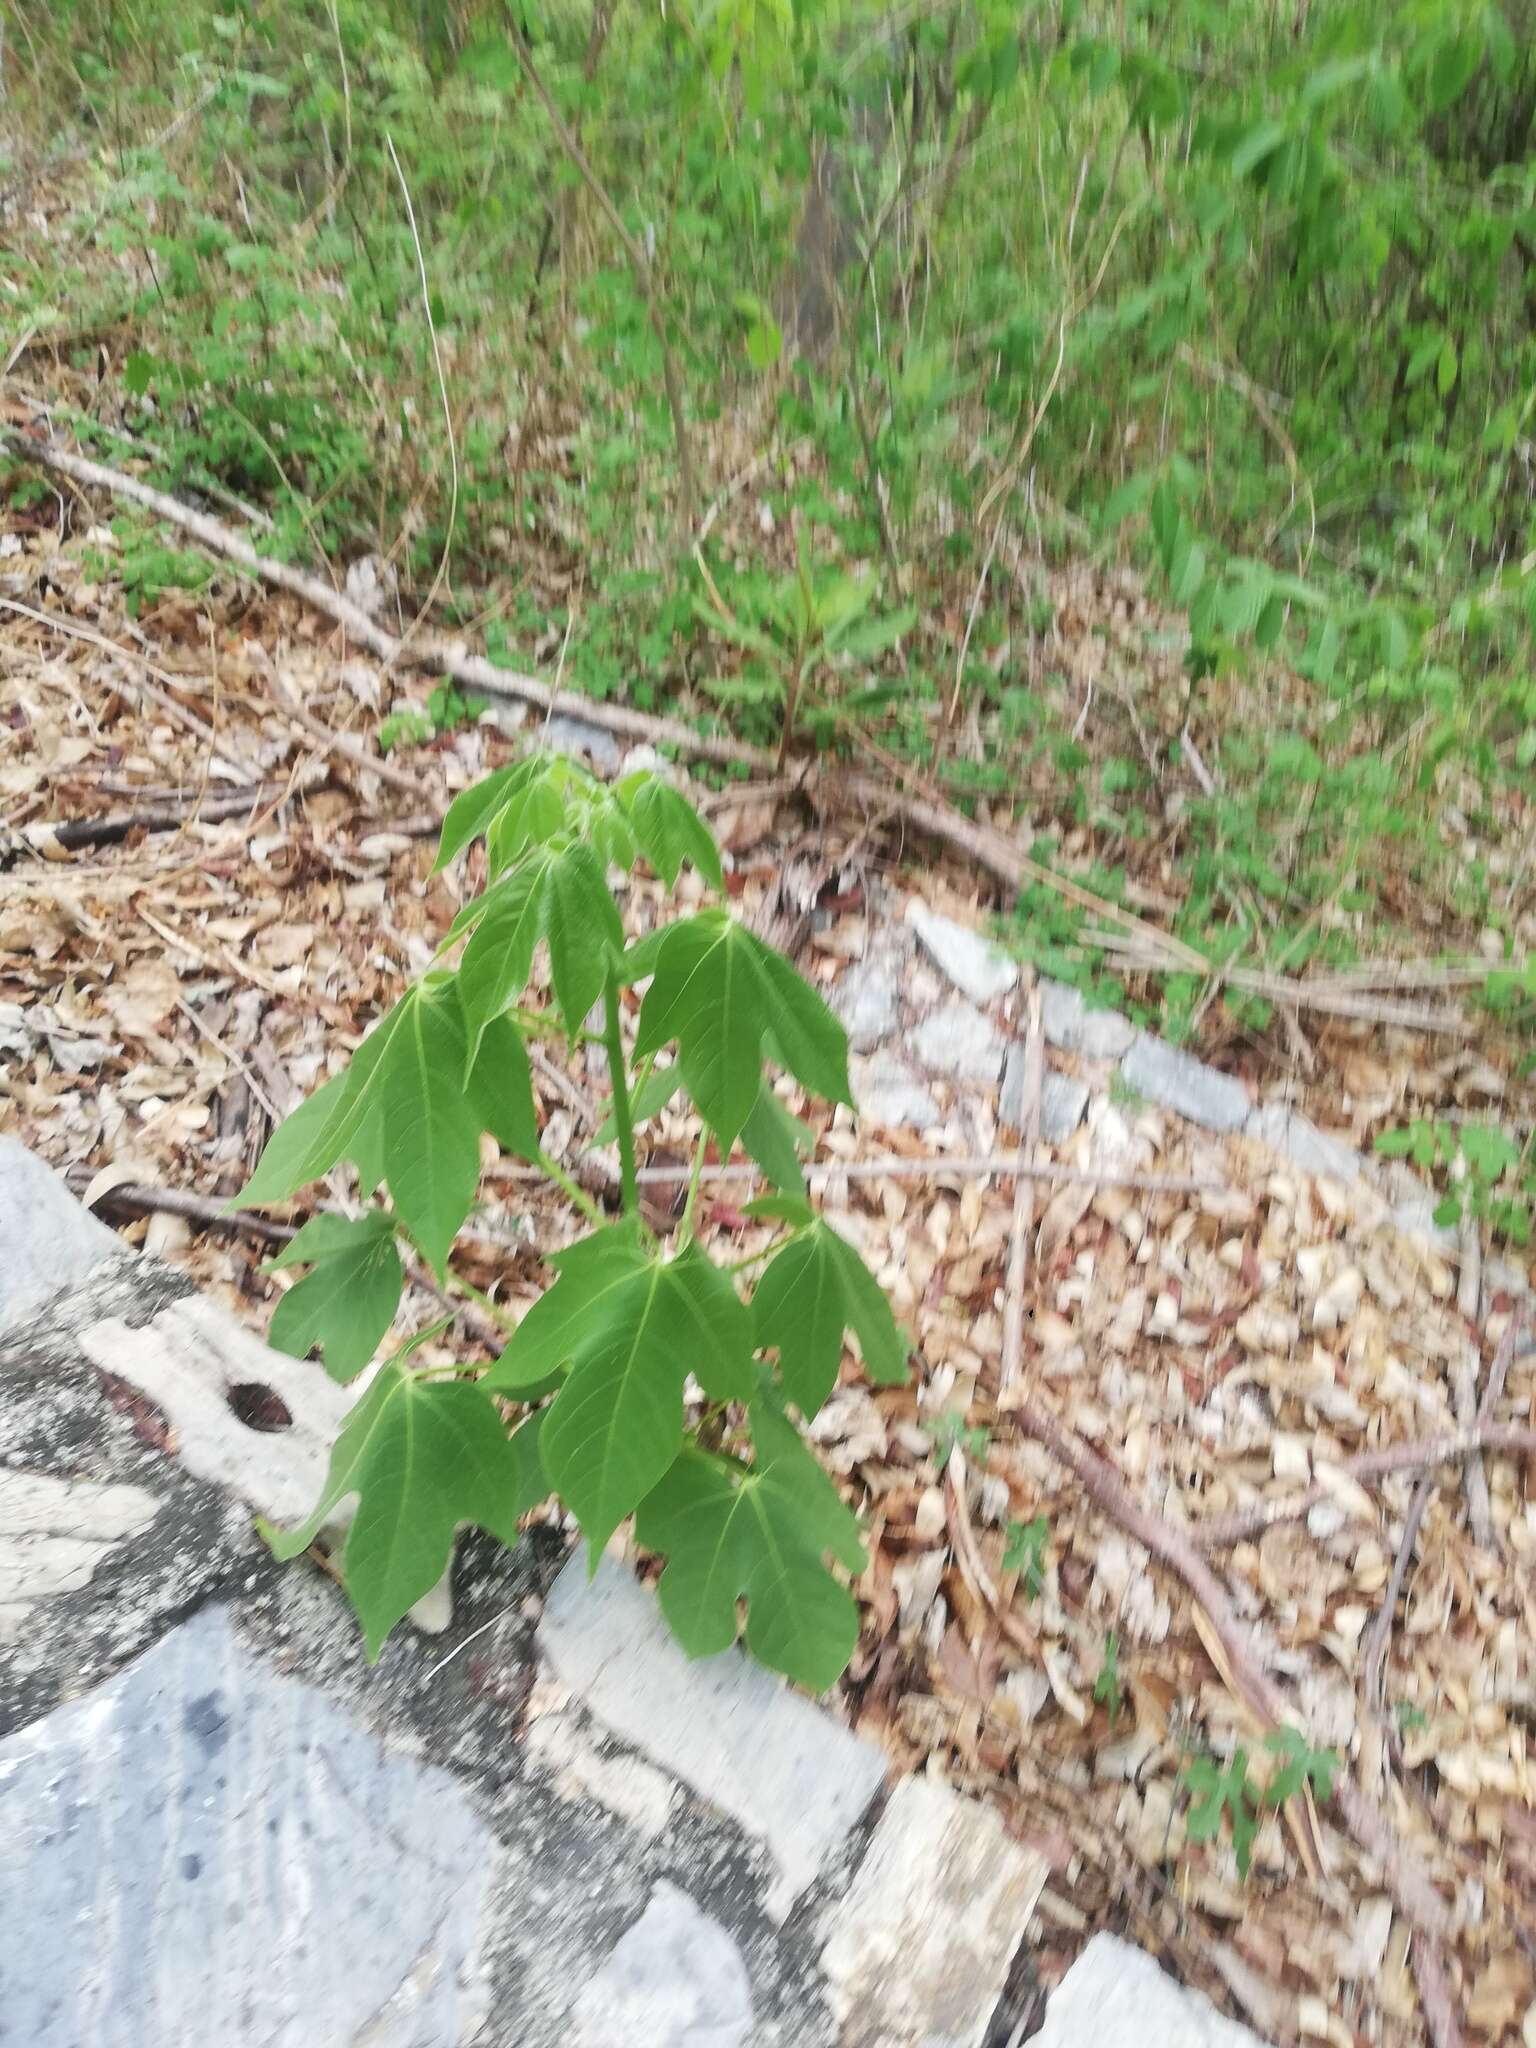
(1023, 1202)
(1417, 1455)
(1416, 1897)
(428, 651)
(984, 844)
(63, 835)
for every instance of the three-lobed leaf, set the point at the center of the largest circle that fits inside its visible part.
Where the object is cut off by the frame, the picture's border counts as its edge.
(626, 1327)
(760, 1534)
(421, 1456)
(721, 993)
(810, 1293)
(346, 1302)
(409, 1110)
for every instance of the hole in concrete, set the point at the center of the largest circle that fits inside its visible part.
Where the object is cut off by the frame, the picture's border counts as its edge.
(258, 1407)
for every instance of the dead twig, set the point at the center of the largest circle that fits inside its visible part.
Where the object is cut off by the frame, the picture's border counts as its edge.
(1469, 1299)
(340, 747)
(968, 1557)
(990, 848)
(1216, 1531)
(1023, 1201)
(1416, 1897)
(63, 835)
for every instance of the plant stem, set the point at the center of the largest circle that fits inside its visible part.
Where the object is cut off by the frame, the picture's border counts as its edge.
(562, 1180)
(685, 1227)
(618, 1080)
(457, 1284)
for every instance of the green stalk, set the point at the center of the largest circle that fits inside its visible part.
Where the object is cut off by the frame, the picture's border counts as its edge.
(457, 1284)
(685, 1228)
(571, 1188)
(624, 1122)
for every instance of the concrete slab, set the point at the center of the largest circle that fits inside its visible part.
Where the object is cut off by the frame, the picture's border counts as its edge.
(49, 1242)
(1115, 1996)
(790, 1774)
(203, 1851)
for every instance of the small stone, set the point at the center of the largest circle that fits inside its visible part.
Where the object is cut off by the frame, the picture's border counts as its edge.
(574, 736)
(1105, 1035)
(54, 1533)
(890, 1096)
(49, 1242)
(958, 1042)
(918, 1952)
(867, 999)
(1063, 1101)
(787, 1771)
(1115, 1996)
(675, 1980)
(1177, 1081)
(1061, 1014)
(977, 968)
(1300, 1140)
(201, 1850)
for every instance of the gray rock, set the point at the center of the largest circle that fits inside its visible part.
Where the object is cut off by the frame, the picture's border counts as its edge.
(54, 1533)
(574, 736)
(1174, 1080)
(1063, 1101)
(202, 1851)
(676, 1980)
(867, 998)
(1070, 1026)
(1061, 1014)
(890, 1096)
(215, 1384)
(1115, 1996)
(1300, 1140)
(104, 1540)
(957, 1041)
(918, 1953)
(977, 968)
(738, 1736)
(204, 1373)
(48, 1241)
(1105, 1035)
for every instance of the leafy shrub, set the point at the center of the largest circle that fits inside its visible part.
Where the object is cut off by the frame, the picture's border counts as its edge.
(599, 1369)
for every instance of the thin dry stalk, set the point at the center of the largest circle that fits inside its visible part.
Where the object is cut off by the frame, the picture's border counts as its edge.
(1405, 1877)
(1469, 1299)
(1012, 1369)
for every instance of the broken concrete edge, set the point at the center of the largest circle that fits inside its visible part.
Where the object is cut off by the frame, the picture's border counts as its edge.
(757, 1804)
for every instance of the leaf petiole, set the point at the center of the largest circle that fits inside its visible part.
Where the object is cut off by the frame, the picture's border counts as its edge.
(613, 1041)
(571, 1188)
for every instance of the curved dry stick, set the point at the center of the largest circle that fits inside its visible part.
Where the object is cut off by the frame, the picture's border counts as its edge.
(1216, 1531)
(1416, 1897)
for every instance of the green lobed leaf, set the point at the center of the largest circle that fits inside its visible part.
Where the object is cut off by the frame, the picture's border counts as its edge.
(501, 1089)
(346, 1303)
(422, 1456)
(670, 830)
(627, 1328)
(810, 1293)
(720, 992)
(320, 1131)
(471, 813)
(762, 1534)
(404, 1113)
(776, 1138)
(431, 1134)
(508, 924)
